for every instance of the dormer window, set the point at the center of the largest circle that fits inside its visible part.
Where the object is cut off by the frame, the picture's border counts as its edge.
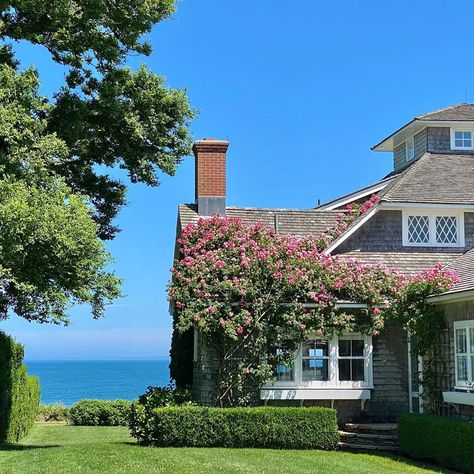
(433, 228)
(410, 148)
(461, 140)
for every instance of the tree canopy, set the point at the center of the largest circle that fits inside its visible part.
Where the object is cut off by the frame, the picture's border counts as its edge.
(58, 200)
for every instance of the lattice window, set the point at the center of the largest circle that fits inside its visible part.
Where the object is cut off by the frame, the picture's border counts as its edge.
(446, 230)
(418, 229)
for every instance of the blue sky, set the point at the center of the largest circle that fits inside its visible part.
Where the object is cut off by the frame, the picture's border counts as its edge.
(302, 90)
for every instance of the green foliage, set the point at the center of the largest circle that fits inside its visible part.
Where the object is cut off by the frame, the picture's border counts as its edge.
(168, 396)
(263, 427)
(19, 392)
(105, 114)
(100, 413)
(447, 441)
(52, 413)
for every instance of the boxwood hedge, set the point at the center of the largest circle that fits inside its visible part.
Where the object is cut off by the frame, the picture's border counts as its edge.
(447, 441)
(19, 392)
(100, 413)
(263, 427)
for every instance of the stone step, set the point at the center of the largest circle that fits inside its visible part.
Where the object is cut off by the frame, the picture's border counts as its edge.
(376, 428)
(366, 447)
(376, 438)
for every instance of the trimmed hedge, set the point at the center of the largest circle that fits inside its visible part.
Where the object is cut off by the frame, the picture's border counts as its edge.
(262, 427)
(447, 441)
(100, 413)
(19, 392)
(52, 413)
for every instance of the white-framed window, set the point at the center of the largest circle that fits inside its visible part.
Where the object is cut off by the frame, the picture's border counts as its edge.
(433, 228)
(464, 353)
(410, 148)
(341, 362)
(462, 139)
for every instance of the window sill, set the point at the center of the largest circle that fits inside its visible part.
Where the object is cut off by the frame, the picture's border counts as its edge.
(459, 398)
(275, 393)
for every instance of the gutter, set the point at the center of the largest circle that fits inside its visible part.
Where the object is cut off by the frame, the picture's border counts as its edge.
(453, 297)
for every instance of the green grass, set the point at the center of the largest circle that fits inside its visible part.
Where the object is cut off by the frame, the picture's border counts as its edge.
(57, 448)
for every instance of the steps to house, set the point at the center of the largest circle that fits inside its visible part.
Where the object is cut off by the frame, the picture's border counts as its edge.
(369, 436)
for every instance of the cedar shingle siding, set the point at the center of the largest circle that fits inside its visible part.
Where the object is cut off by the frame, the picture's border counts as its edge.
(439, 139)
(399, 157)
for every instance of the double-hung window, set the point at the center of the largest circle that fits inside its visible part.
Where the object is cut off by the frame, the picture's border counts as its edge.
(432, 227)
(464, 353)
(410, 148)
(341, 362)
(462, 139)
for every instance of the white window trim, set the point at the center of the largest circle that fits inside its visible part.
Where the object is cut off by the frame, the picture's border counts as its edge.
(453, 147)
(462, 384)
(332, 382)
(432, 215)
(409, 143)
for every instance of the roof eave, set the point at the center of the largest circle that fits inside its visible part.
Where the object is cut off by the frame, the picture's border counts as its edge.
(452, 297)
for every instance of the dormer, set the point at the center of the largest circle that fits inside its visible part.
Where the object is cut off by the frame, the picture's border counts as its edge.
(448, 130)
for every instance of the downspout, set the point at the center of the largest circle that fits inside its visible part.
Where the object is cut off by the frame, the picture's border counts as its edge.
(410, 376)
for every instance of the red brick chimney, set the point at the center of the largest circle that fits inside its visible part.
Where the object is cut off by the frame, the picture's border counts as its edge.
(210, 155)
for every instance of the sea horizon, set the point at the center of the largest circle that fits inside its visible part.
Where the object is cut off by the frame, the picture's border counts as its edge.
(67, 381)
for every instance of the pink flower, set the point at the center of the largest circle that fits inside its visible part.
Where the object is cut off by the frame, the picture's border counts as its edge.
(376, 311)
(240, 330)
(220, 264)
(197, 319)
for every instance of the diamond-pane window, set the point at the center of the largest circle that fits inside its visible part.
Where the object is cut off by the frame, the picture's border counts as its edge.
(446, 230)
(418, 229)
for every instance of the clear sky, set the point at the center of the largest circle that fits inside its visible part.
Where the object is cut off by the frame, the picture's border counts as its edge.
(301, 89)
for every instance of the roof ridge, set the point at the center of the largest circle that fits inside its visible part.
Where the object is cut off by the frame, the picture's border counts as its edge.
(442, 109)
(272, 209)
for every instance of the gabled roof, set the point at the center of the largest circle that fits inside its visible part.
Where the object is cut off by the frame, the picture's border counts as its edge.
(408, 262)
(456, 113)
(311, 222)
(434, 179)
(464, 267)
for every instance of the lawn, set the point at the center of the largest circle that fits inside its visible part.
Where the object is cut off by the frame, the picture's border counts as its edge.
(56, 448)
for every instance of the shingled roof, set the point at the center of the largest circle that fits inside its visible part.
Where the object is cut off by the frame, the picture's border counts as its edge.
(295, 222)
(459, 112)
(434, 178)
(464, 267)
(408, 263)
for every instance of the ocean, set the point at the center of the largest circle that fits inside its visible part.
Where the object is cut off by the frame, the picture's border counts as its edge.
(67, 382)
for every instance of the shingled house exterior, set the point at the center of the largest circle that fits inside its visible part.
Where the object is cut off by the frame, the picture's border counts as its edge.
(424, 217)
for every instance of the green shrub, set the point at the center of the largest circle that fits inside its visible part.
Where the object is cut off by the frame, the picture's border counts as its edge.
(19, 392)
(52, 413)
(262, 427)
(447, 441)
(100, 413)
(167, 396)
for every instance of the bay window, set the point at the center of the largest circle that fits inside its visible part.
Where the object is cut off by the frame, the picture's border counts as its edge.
(341, 362)
(464, 353)
(433, 227)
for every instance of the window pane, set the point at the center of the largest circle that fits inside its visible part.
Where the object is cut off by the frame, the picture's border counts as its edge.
(458, 143)
(472, 340)
(344, 348)
(458, 135)
(358, 370)
(468, 143)
(461, 341)
(315, 348)
(284, 373)
(315, 369)
(344, 369)
(446, 230)
(418, 229)
(358, 347)
(462, 368)
(467, 135)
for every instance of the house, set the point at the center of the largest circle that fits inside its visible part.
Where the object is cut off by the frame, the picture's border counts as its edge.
(424, 216)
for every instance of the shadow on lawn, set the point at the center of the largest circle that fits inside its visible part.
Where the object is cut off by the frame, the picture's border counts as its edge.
(25, 447)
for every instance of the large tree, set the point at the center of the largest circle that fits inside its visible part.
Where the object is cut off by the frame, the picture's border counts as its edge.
(57, 199)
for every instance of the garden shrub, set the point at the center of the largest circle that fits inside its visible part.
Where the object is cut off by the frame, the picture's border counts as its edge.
(100, 413)
(447, 441)
(52, 413)
(19, 392)
(167, 396)
(261, 427)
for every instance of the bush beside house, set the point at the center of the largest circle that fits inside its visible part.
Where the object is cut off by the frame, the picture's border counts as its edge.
(19, 392)
(100, 413)
(262, 427)
(447, 441)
